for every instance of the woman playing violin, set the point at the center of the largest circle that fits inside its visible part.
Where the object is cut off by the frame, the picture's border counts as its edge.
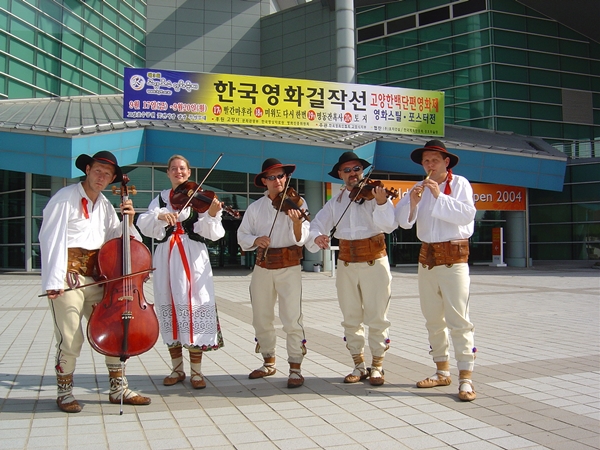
(183, 281)
(278, 234)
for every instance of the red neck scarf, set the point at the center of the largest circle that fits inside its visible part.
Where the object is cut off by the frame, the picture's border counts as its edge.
(84, 204)
(447, 189)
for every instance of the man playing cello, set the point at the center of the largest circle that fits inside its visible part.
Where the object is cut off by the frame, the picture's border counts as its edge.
(77, 221)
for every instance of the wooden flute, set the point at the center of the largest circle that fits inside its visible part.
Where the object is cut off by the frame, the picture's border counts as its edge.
(426, 178)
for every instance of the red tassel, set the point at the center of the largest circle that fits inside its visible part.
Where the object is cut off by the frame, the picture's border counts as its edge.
(447, 189)
(84, 203)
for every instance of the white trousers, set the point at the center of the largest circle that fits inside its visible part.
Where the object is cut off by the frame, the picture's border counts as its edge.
(266, 287)
(364, 292)
(444, 294)
(68, 311)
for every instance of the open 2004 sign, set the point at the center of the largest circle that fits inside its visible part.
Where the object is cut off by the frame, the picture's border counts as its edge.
(499, 197)
(487, 197)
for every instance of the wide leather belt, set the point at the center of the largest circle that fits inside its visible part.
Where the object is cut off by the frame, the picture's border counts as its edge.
(444, 253)
(82, 261)
(279, 258)
(362, 250)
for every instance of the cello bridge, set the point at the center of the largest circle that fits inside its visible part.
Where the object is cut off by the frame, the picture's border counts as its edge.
(127, 298)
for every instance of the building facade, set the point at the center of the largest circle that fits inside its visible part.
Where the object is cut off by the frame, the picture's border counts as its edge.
(488, 56)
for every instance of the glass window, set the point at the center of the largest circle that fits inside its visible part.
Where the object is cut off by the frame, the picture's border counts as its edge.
(509, 38)
(548, 129)
(512, 90)
(436, 82)
(472, 24)
(439, 31)
(91, 67)
(72, 39)
(546, 112)
(540, 197)
(551, 252)
(371, 63)
(402, 56)
(585, 172)
(109, 60)
(551, 232)
(435, 65)
(71, 56)
(26, 72)
(16, 89)
(508, 73)
(12, 257)
(469, 7)
(49, 44)
(512, 109)
(397, 9)
(377, 77)
(39, 200)
(22, 51)
(372, 32)
(405, 23)
(573, 81)
(23, 11)
(403, 72)
(12, 231)
(573, 48)
(403, 40)
(35, 230)
(510, 56)
(370, 48)
(509, 22)
(89, 83)
(514, 125)
(72, 21)
(544, 60)
(579, 65)
(141, 177)
(586, 192)
(52, 8)
(541, 43)
(542, 26)
(370, 16)
(434, 16)
(439, 48)
(40, 181)
(546, 95)
(589, 212)
(550, 214)
(48, 82)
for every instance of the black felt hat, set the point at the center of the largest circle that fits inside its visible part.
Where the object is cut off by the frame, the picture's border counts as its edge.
(272, 163)
(104, 157)
(344, 158)
(434, 146)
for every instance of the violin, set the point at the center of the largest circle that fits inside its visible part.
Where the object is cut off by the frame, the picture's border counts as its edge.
(200, 199)
(123, 324)
(292, 201)
(359, 194)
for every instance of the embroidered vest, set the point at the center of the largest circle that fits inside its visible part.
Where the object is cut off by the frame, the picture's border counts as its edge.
(187, 225)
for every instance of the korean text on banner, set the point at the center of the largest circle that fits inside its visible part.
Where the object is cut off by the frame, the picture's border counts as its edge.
(280, 102)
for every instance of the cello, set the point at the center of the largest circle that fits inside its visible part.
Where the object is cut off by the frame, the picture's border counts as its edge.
(123, 324)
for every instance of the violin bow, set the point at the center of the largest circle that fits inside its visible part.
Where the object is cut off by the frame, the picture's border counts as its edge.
(362, 184)
(283, 196)
(103, 281)
(200, 185)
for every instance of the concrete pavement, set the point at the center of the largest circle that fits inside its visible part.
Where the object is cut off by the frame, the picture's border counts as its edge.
(537, 375)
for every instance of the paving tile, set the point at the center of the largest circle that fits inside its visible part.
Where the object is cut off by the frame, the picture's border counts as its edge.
(537, 376)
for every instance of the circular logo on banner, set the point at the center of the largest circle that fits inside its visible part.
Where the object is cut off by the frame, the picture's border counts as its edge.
(137, 82)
